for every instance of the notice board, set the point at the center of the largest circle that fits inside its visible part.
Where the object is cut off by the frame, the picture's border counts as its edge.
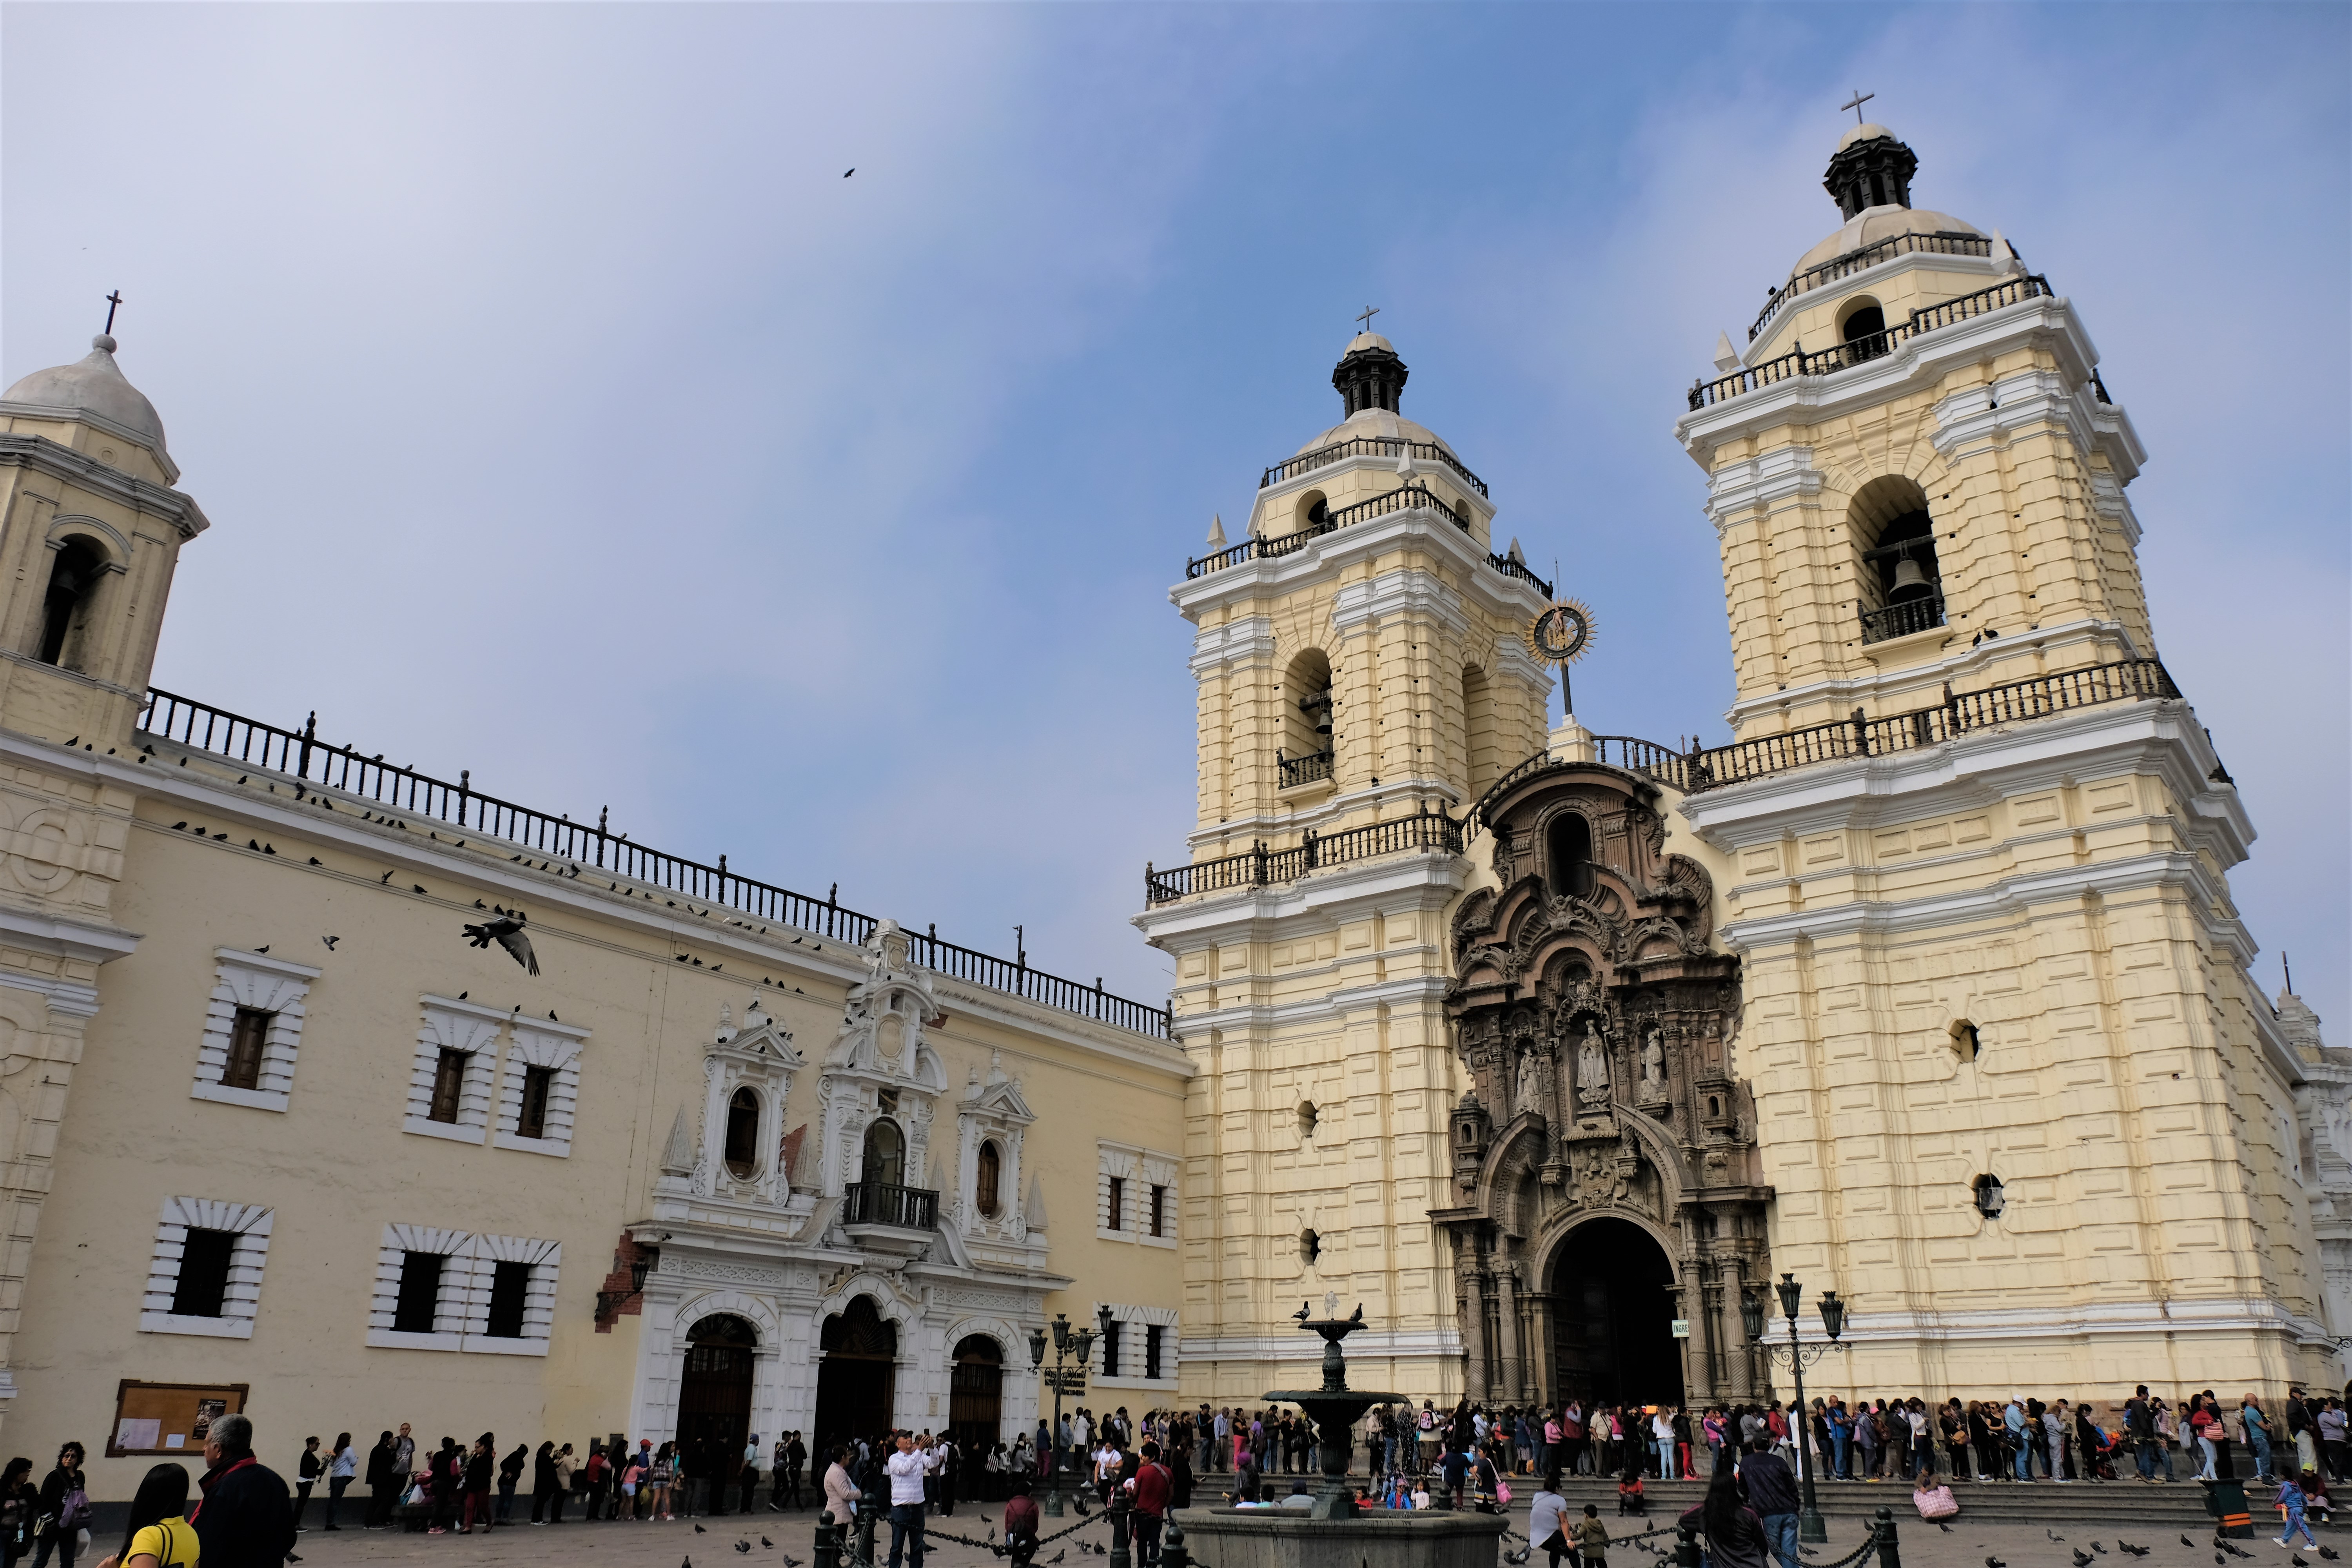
(168, 1417)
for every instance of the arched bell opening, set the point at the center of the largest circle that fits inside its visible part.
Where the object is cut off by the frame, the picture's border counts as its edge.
(66, 607)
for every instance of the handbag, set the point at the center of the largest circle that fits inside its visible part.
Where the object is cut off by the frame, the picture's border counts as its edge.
(1503, 1493)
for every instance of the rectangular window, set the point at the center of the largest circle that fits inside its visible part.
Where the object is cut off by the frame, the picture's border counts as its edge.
(246, 1036)
(1159, 1211)
(1118, 1202)
(1110, 1347)
(448, 1084)
(510, 1286)
(1151, 1332)
(420, 1292)
(530, 1122)
(201, 1290)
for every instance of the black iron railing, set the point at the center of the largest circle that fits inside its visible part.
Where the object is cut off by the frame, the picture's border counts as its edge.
(1259, 867)
(1941, 242)
(1510, 568)
(1701, 769)
(1802, 361)
(404, 792)
(1404, 499)
(887, 1202)
(1303, 769)
(1903, 617)
(1368, 447)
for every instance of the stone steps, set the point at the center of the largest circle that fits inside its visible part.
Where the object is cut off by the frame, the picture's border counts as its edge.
(2168, 1509)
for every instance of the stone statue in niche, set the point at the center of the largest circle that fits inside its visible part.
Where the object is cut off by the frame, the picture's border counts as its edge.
(1653, 1070)
(1525, 1095)
(1593, 1070)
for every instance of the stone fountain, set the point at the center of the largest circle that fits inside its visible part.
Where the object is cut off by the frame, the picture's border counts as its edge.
(1337, 1532)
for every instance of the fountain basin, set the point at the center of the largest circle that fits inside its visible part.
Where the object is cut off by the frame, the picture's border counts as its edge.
(1373, 1538)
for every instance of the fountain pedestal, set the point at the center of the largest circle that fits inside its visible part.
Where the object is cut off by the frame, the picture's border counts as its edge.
(1335, 1531)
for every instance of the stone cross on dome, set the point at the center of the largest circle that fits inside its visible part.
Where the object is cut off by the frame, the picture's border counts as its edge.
(1860, 97)
(113, 302)
(1365, 321)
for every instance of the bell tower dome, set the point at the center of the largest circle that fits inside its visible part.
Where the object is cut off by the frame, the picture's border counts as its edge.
(1872, 169)
(90, 536)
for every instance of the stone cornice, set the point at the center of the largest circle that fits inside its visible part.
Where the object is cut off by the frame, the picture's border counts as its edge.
(1984, 766)
(1425, 990)
(2045, 321)
(36, 931)
(2100, 641)
(1428, 878)
(1323, 558)
(60, 461)
(1244, 639)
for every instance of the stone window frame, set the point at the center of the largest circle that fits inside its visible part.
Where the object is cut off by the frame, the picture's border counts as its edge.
(1138, 1318)
(461, 1309)
(1141, 1169)
(538, 1043)
(266, 984)
(466, 1026)
(241, 1303)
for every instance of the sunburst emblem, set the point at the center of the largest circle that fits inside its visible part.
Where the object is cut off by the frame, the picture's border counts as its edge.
(1561, 634)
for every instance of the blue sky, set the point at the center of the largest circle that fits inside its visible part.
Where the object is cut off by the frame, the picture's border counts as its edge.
(564, 415)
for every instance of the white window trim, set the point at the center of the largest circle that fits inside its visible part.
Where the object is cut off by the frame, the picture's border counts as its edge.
(545, 1258)
(540, 1043)
(1141, 1169)
(1132, 1352)
(271, 985)
(242, 1302)
(454, 1025)
(461, 1311)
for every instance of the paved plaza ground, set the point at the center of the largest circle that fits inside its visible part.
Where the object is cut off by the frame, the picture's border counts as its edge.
(667, 1545)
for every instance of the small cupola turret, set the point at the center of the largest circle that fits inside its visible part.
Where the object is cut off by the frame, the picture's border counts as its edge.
(1871, 169)
(1369, 375)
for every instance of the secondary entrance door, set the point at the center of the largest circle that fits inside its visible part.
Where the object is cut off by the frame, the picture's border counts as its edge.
(859, 1374)
(714, 1402)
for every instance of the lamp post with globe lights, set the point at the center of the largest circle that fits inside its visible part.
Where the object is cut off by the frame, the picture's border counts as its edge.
(1074, 1347)
(1798, 1355)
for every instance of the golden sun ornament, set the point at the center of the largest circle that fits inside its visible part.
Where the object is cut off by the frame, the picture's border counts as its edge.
(1561, 632)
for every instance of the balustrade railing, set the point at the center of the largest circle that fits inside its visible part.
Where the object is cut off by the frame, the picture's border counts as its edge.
(1903, 617)
(1259, 867)
(1940, 242)
(1368, 447)
(887, 1202)
(1303, 769)
(302, 756)
(1405, 497)
(1802, 361)
(1510, 568)
(1701, 769)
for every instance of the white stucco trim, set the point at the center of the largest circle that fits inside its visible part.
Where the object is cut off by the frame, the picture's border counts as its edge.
(461, 1307)
(241, 1302)
(266, 985)
(541, 1043)
(459, 1026)
(1132, 1345)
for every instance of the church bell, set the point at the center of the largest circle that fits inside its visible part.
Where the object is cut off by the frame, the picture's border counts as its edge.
(1909, 581)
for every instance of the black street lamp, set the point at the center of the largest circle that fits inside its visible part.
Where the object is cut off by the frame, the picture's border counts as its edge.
(1078, 1348)
(1811, 1527)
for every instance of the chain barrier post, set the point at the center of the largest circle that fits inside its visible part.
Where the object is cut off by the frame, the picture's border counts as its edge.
(865, 1536)
(1686, 1546)
(1172, 1553)
(827, 1551)
(1119, 1506)
(1889, 1555)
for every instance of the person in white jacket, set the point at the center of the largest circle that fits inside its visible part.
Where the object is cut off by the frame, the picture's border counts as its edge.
(907, 1470)
(1662, 1428)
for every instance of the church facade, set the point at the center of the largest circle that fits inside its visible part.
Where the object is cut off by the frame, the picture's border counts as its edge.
(1926, 989)
(346, 1096)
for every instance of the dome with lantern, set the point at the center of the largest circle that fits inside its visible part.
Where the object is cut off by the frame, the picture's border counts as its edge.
(94, 389)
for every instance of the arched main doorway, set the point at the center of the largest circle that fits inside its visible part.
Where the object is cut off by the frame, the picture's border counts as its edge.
(1612, 1317)
(976, 1395)
(858, 1374)
(714, 1397)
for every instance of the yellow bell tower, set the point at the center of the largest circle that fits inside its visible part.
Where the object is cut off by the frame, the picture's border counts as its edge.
(2018, 1100)
(1361, 679)
(90, 531)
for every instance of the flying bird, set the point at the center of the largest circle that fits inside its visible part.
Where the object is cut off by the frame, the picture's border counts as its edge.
(507, 931)
(330, 941)
(844, 175)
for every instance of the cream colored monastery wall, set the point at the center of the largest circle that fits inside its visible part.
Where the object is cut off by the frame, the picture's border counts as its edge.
(337, 1166)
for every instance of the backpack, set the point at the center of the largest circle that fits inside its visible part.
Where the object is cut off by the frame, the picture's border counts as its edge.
(73, 1509)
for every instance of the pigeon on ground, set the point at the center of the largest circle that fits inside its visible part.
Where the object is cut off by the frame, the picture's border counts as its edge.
(699, 1530)
(1995, 1563)
(2296, 1558)
(743, 1546)
(2082, 1558)
(1054, 1561)
(2328, 1553)
(2128, 1549)
(2186, 1541)
(2099, 1549)
(1518, 1556)
(2218, 1558)
(2051, 1533)
(768, 1543)
(507, 931)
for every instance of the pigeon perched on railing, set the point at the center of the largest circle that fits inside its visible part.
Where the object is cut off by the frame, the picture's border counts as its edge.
(507, 931)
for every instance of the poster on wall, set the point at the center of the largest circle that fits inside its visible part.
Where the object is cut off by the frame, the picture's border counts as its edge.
(170, 1418)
